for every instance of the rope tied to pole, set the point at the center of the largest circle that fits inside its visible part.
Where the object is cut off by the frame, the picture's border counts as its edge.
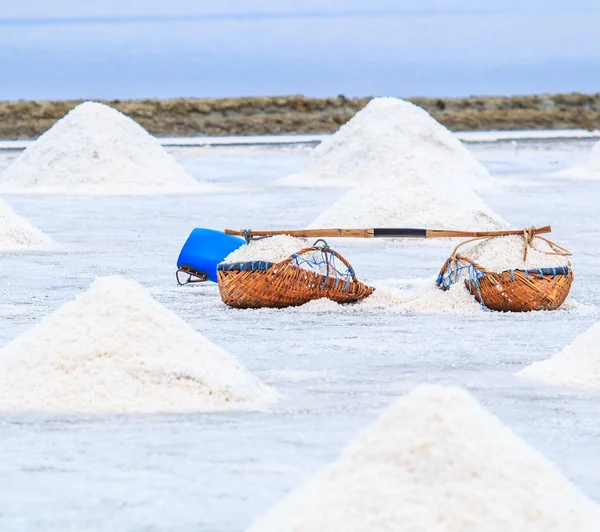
(529, 235)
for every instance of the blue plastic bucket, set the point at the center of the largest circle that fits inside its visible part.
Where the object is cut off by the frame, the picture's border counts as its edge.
(204, 249)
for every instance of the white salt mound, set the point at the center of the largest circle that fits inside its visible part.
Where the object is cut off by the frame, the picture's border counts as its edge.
(412, 196)
(369, 145)
(577, 365)
(95, 149)
(273, 249)
(19, 234)
(588, 169)
(435, 461)
(116, 349)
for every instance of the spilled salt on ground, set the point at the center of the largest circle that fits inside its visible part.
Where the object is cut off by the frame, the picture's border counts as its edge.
(95, 149)
(272, 249)
(423, 295)
(372, 144)
(573, 304)
(506, 253)
(320, 305)
(414, 198)
(116, 349)
(436, 461)
(587, 169)
(577, 365)
(431, 298)
(19, 234)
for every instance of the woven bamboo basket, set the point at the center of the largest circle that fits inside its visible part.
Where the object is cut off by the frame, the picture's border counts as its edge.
(514, 290)
(517, 290)
(259, 284)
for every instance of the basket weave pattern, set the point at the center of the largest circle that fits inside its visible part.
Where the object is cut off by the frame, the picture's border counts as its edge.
(520, 291)
(284, 284)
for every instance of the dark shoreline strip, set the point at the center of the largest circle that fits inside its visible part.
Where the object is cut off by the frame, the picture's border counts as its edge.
(277, 115)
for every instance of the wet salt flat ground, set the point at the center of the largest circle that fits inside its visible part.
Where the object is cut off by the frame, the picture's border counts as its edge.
(338, 370)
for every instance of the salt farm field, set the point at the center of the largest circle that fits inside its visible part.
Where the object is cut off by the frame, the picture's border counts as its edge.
(338, 370)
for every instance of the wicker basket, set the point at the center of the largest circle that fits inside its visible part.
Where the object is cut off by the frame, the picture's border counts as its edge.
(516, 290)
(261, 284)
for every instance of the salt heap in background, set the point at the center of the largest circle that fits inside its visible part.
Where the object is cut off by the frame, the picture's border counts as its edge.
(19, 234)
(576, 365)
(435, 461)
(95, 149)
(369, 146)
(116, 349)
(588, 169)
(414, 192)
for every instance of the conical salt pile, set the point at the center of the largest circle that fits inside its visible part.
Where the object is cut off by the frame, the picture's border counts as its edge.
(435, 461)
(576, 365)
(95, 149)
(420, 194)
(116, 349)
(368, 146)
(19, 234)
(588, 169)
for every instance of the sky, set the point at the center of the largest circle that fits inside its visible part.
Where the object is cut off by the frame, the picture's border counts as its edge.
(64, 49)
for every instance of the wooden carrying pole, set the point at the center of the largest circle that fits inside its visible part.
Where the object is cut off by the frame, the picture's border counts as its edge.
(384, 232)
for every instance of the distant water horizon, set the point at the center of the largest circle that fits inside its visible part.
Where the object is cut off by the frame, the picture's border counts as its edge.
(72, 50)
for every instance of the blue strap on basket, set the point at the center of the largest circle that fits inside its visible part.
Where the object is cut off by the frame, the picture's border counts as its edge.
(249, 266)
(453, 272)
(542, 272)
(318, 259)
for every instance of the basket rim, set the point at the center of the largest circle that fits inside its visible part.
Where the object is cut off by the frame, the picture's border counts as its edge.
(253, 266)
(553, 271)
(244, 266)
(266, 265)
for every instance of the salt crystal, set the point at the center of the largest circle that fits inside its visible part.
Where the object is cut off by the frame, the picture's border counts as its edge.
(19, 234)
(577, 365)
(116, 349)
(435, 461)
(95, 149)
(371, 143)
